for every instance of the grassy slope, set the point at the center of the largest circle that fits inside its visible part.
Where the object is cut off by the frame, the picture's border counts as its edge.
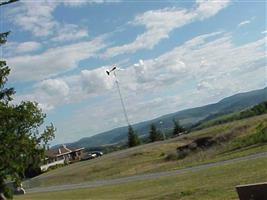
(150, 157)
(258, 109)
(217, 183)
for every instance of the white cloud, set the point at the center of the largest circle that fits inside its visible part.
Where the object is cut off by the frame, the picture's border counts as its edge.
(48, 93)
(51, 93)
(158, 86)
(243, 23)
(28, 47)
(264, 32)
(208, 8)
(15, 48)
(177, 64)
(70, 89)
(35, 17)
(96, 81)
(204, 85)
(54, 87)
(77, 3)
(159, 23)
(214, 55)
(53, 61)
(70, 32)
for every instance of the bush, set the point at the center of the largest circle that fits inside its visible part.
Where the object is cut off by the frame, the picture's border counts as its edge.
(162, 154)
(56, 166)
(32, 171)
(182, 154)
(259, 137)
(8, 193)
(171, 156)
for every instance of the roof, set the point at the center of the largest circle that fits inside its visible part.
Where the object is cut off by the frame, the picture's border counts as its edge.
(62, 150)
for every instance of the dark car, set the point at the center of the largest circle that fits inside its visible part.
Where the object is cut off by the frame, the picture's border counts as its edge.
(98, 153)
(89, 156)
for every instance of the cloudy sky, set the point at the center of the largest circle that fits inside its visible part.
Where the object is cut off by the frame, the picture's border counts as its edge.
(172, 55)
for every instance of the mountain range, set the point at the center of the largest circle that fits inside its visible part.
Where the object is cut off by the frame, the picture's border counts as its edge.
(186, 117)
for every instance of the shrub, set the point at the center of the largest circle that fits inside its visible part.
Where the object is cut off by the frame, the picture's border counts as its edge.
(55, 166)
(171, 156)
(182, 154)
(162, 154)
(32, 171)
(260, 136)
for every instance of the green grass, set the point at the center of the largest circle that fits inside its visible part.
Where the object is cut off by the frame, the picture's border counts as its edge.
(216, 183)
(259, 136)
(258, 109)
(151, 157)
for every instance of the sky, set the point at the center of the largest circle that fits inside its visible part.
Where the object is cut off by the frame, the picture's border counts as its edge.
(171, 55)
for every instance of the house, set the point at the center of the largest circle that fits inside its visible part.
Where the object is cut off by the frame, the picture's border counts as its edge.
(61, 155)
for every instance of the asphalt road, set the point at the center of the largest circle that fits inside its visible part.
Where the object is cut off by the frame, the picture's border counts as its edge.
(100, 183)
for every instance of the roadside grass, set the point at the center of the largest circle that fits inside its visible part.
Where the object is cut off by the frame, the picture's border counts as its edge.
(152, 157)
(216, 183)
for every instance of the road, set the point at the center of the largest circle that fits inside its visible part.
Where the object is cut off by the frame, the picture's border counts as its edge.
(100, 183)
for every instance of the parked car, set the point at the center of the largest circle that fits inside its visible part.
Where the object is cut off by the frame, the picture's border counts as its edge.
(89, 156)
(92, 155)
(98, 153)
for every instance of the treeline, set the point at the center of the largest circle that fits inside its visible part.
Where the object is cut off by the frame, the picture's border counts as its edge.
(134, 139)
(258, 109)
(154, 135)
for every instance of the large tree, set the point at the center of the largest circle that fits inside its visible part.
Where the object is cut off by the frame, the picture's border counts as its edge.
(177, 129)
(133, 139)
(21, 142)
(154, 134)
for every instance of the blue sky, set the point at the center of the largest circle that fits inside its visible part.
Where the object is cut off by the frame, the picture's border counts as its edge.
(171, 55)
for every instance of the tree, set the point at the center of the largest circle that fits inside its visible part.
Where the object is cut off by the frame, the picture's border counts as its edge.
(177, 129)
(21, 143)
(133, 139)
(154, 134)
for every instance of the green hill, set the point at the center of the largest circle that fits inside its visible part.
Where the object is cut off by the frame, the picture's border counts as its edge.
(187, 118)
(258, 109)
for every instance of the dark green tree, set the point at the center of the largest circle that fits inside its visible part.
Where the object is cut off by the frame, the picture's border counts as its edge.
(21, 143)
(177, 129)
(133, 139)
(154, 134)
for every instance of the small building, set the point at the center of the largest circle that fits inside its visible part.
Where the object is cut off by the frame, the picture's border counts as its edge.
(61, 155)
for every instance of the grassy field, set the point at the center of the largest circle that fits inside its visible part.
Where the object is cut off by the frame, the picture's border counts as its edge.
(258, 109)
(151, 157)
(217, 183)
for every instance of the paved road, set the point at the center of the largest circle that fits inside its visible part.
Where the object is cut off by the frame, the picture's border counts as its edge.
(99, 183)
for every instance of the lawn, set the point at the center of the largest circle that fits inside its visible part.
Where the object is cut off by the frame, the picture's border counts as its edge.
(151, 157)
(216, 183)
